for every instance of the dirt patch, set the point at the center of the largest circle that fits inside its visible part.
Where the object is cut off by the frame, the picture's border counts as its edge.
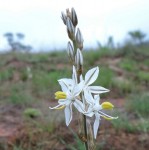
(120, 140)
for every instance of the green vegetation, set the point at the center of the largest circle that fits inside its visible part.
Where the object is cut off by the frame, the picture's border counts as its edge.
(21, 98)
(135, 118)
(78, 143)
(92, 56)
(123, 85)
(6, 74)
(128, 65)
(28, 82)
(32, 112)
(143, 76)
(125, 124)
(138, 103)
(131, 126)
(129, 123)
(106, 76)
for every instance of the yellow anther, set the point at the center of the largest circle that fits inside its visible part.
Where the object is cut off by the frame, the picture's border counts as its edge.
(107, 105)
(61, 107)
(60, 95)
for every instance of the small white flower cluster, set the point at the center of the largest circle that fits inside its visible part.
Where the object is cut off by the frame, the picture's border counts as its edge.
(88, 102)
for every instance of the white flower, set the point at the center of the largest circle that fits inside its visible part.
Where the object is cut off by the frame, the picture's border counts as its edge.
(96, 109)
(90, 77)
(69, 95)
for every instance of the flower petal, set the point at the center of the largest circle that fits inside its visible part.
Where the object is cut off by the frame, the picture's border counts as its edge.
(67, 81)
(96, 124)
(68, 114)
(88, 97)
(89, 112)
(97, 89)
(64, 85)
(91, 75)
(74, 75)
(78, 88)
(64, 101)
(79, 105)
(97, 99)
(81, 77)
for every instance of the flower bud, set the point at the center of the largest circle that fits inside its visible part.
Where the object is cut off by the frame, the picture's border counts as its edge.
(64, 17)
(70, 29)
(74, 18)
(79, 58)
(68, 13)
(70, 51)
(79, 39)
(107, 105)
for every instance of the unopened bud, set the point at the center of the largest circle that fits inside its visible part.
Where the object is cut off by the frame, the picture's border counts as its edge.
(79, 58)
(70, 29)
(68, 13)
(70, 51)
(64, 17)
(74, 18)
(79, 39)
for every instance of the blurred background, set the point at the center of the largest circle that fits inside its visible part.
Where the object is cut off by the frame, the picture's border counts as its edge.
(33, 56)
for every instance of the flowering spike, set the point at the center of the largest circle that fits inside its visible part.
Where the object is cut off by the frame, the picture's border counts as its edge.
(74, 17)
(78, 91)
(79, 39)
(107, 105)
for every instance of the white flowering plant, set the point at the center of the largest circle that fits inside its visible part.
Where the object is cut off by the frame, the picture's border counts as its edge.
(78, 91)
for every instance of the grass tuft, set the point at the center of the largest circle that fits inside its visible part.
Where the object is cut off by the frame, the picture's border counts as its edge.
(32, 113)
(139, 104)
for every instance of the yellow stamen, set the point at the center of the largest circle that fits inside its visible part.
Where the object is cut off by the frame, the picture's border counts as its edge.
(61, 107)
(107, 105)
(60, 95)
